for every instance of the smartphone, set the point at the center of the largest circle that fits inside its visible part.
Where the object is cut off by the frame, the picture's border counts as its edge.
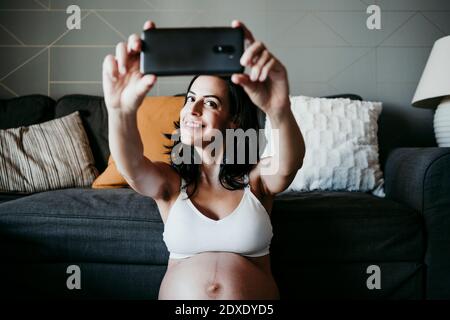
(189, 51)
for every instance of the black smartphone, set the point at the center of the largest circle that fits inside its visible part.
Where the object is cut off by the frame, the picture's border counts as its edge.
(188, 51)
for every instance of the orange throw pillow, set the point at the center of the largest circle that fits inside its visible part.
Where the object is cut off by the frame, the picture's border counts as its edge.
(155, 117)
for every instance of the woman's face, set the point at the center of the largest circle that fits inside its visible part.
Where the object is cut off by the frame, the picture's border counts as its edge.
(207, 108)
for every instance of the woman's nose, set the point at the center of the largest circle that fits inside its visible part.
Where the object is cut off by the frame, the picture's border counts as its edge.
(196, 107)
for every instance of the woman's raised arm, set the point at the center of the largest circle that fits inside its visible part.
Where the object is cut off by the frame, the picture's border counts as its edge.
(125, 87)
(268, 88)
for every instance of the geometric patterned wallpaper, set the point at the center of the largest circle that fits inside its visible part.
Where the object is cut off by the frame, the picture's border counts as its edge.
(324, 44)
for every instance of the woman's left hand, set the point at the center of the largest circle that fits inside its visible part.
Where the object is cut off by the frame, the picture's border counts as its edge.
(267, 86)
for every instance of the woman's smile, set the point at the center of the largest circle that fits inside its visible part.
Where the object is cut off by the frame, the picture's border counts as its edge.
(193, 124)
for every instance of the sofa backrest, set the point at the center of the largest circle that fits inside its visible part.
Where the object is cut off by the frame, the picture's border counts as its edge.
(28, 110)
(25, 111)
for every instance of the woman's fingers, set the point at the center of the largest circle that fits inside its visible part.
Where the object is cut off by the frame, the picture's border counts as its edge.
(266, 69)
(134, 41)
(257, 68)
(121, 57)
(126, 52)
(149, 24)
(134, 44)
(252, 53)
(110, 69)
(247, 33)
(243, 80)
(145, 84)
(255, 56)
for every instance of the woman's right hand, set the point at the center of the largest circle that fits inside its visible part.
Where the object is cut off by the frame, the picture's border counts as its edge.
(124, 86)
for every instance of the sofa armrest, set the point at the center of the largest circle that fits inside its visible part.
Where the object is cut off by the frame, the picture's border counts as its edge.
(420, 179)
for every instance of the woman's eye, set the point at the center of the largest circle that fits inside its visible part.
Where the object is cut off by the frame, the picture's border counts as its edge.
(189, 98)
(211, 104)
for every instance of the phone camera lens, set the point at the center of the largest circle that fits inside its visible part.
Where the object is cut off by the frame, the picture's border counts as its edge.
(223, 49)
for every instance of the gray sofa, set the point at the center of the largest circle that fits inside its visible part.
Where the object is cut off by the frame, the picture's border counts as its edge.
(323, 241)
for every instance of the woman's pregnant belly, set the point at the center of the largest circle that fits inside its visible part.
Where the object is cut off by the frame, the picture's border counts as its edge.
(217, 275)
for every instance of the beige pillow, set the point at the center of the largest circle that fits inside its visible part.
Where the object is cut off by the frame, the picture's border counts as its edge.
(341, 145)
(46, 156)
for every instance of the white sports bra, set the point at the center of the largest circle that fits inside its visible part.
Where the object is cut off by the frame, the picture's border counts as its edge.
(247, 230)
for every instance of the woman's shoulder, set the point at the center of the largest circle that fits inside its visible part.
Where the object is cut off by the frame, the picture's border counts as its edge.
(171, 190)
(173, 179)
(255, 182)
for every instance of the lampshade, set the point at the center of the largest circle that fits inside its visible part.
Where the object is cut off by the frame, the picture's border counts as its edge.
(435, 81)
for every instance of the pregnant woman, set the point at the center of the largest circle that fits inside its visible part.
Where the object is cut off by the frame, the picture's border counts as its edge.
(216, 216)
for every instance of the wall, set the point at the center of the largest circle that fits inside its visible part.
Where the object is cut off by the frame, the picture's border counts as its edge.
(325, 45)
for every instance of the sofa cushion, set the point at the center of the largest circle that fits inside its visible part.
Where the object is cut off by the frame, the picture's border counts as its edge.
(82, 224)
(122, 226)
(324, 280)
(400, 280)
(25, 111)
(8, 196)
(95, 121)
(345, 227)
(98, 281)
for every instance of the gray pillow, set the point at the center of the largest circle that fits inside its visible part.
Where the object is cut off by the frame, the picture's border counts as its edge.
(46, 156)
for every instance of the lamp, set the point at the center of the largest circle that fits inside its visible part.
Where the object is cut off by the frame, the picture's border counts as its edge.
(434, 89)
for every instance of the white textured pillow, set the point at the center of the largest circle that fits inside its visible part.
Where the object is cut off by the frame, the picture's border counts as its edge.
(341, 145)
(46, 156)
